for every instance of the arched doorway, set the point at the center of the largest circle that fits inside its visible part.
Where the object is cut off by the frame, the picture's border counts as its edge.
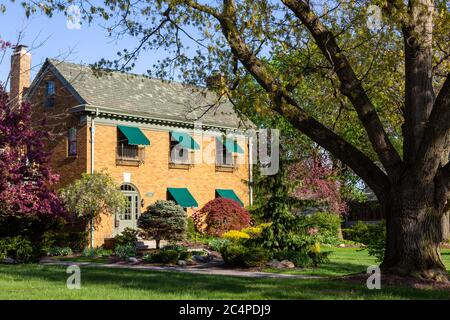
(130, 214)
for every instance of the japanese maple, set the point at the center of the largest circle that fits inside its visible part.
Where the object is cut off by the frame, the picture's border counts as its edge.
(221, 215)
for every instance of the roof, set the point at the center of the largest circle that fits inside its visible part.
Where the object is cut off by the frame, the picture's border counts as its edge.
(143, 96)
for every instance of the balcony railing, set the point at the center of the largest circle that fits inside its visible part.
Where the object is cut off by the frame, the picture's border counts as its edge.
(130, 155)
(226, 167)
(181, 163)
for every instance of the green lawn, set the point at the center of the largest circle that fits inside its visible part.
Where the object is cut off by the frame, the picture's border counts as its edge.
(49, 282)
(342, 261)
(345, 261)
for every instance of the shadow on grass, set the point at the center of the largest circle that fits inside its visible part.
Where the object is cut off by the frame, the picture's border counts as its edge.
(104, 283)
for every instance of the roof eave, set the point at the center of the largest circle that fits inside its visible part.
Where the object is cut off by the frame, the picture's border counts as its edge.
(109, 112)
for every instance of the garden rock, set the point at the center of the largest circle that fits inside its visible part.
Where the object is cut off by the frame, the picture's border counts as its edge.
(287, 264)
(202, 259)
(132, 260)
(274, 264)
(342, 245)
(182, 263)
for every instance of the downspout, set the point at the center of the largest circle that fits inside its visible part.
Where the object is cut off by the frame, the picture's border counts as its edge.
(250, 170)
(92, 167)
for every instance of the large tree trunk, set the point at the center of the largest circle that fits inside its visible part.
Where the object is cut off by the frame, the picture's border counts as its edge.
(446, 226)
(414, 233)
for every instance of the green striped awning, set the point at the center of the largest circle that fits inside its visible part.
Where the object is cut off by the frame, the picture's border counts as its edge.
(185, 140)
(134, 135)
(183, 197)
(231, 145)
(229, 194)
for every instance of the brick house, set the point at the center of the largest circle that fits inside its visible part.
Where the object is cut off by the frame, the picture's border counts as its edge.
(143, 131)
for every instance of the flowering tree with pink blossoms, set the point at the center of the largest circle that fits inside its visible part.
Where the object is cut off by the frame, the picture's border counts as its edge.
(317, 180)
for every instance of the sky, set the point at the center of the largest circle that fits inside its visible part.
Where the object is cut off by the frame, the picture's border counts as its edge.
(51, 37)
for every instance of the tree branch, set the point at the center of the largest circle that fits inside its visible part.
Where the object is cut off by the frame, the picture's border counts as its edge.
(287, 106)
(203, 8)
(351, 86)
(419, 93)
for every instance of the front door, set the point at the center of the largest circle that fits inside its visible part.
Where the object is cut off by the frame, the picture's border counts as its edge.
(129, 216)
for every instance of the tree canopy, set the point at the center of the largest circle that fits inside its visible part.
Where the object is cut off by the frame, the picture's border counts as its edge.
(26, 179)
(92, 195)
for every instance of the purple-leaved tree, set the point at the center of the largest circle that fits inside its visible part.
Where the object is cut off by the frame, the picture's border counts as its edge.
(26, 179)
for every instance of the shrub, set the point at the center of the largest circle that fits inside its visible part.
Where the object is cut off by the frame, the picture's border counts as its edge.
(240, 256)
(232, 254)
(198, 253)
(291, 232)
(221, 215)
(125, 251)
(376, 241)
(175, 247)
(373, 236)
(163, 220)
(358, 232)
(102, 253)
(17, 248)
(320, 257)
(169, 254)
(300, 258)
(89, 252)
(217, 244)
(235, 235)
(127, 236)
(256, 231)
(304, 258)
(76, 240)
(327, 225)
(252, 232)
(192, 234)
(185, 255)
(96, 252)
(264, 225)
(59, 252)
(40, 231)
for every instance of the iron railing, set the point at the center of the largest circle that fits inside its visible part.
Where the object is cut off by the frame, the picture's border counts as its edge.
(181, 161)
(127, 154)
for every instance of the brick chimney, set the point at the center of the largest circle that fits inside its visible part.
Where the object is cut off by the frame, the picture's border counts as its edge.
(20, 73)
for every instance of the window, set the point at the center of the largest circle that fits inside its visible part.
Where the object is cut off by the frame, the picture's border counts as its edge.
(223, 156)
(72, 142)
(126, 150)
(178, 153)
(50, 92)
(51, 89)
(128, 153)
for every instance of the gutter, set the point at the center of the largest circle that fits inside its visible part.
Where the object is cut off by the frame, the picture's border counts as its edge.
(250, 171)
(92, 167)
(115, 112)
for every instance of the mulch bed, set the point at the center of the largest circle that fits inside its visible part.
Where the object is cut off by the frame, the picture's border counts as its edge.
(392, 280)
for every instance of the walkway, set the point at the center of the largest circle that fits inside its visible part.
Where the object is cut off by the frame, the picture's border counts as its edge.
(215, 271)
